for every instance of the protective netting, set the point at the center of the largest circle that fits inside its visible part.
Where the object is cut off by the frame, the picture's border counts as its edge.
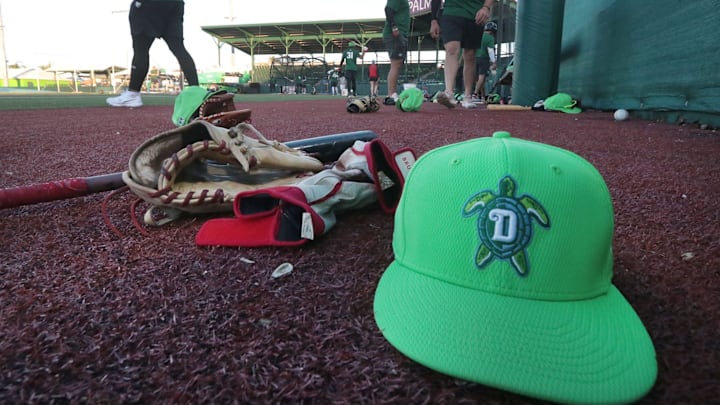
(657, 59)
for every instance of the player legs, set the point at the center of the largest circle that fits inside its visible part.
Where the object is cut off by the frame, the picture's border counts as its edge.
(452, 50)
(140, 61)
(350, 77)
(397, 52)
(482, 66)
(393, 74)
(452, 34)
(187, 64)
(446, 97)
(468, 76)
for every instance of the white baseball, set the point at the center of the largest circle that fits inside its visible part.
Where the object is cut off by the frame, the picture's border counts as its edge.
(621, 115)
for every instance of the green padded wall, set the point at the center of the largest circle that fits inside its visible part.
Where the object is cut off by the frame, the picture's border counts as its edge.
(537, 50)
(659, 59)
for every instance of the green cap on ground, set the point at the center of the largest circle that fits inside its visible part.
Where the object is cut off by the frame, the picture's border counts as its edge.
(187, 104)
(502, 275)
(562, 102)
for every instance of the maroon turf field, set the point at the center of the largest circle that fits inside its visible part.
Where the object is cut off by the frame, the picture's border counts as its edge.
(91, 317)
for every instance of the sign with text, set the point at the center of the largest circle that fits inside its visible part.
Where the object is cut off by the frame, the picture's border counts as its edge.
(419, 7)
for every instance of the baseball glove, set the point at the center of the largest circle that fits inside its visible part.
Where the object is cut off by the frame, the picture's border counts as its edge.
(362, 104)
(215, 107)
(200, 167)
(219, 110)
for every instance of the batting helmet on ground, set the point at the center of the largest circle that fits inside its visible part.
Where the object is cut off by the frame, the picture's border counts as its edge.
(410, 100)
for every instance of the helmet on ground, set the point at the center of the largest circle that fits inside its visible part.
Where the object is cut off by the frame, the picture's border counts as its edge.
(410, 100)
(493, 98)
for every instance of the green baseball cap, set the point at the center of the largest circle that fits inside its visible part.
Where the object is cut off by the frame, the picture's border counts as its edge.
(188, 102)
(410, 100)
(562, 102)
(502, 275)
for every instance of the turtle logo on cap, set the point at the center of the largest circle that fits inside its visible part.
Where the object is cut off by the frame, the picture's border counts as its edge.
(505, 224)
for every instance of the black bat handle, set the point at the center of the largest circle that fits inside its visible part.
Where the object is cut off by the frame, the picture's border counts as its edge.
(328, 148)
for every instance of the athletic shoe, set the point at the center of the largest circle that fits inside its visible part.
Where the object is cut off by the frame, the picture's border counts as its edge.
(391, 99)
(126, 99)
(467, 102)
(444, 99)
(477, 99)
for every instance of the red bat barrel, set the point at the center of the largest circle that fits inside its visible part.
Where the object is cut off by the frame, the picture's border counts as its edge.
(58, 190)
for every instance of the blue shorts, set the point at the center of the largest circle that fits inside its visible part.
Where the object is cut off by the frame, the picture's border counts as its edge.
(461, 29)
(482, 65)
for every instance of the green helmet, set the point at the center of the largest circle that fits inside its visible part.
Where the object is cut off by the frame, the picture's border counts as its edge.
(410, 100)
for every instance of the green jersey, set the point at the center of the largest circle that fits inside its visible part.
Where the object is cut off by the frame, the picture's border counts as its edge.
(401, 17)
(462, 8)
(350, 56)
(488, 41)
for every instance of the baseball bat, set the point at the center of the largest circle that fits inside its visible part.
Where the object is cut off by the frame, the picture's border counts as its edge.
(326, 148)
(507, 107)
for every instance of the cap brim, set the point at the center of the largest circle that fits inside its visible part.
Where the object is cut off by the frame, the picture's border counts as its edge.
(571, 110)
(568, 110)
(590, 351)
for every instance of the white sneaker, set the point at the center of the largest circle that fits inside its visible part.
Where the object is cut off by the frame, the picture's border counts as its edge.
(444, 99)
(467, 102)
(126, 99)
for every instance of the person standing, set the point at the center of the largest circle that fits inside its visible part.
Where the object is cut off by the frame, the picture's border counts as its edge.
(273, 83)
(373, 78)
(333, 77)
(395, 37)
(350, 57)
(485, 59)
(462, 23)
(150, 20)
(299, 85)
(342, 83)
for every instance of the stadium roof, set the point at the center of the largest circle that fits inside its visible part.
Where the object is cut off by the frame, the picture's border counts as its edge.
(315, 38)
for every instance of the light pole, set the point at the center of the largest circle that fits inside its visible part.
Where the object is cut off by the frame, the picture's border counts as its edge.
(231, 17)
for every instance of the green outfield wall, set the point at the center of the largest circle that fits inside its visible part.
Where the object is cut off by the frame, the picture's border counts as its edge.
(659, 59)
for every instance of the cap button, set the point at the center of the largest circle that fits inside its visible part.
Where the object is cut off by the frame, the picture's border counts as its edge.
(501, 134)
